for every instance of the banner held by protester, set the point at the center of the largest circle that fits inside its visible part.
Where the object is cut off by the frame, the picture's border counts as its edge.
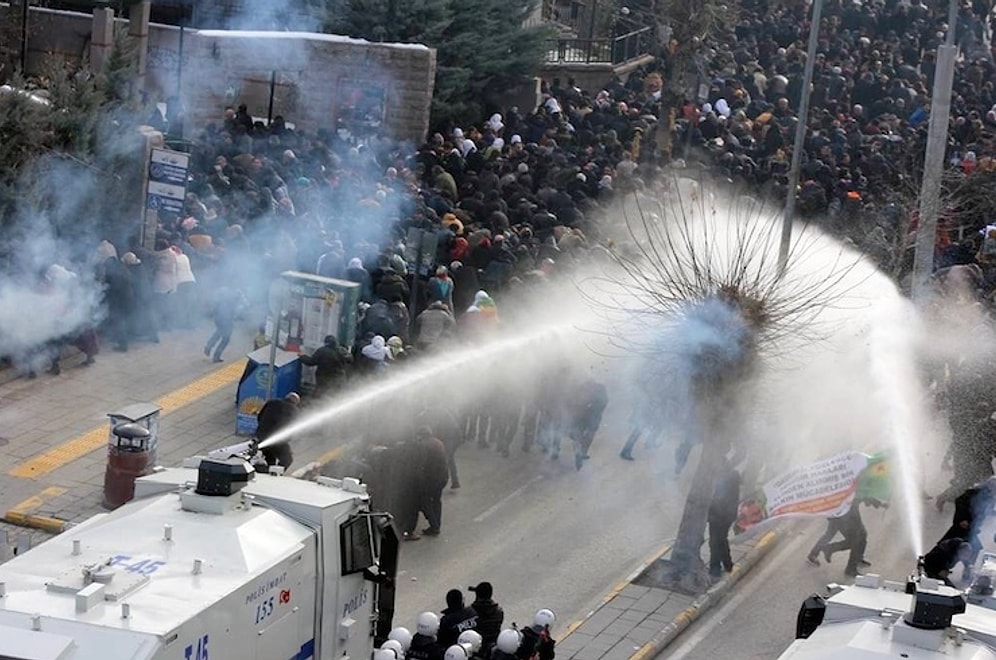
(824, 489)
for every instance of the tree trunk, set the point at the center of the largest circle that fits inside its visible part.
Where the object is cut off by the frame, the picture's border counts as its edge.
(688, 569)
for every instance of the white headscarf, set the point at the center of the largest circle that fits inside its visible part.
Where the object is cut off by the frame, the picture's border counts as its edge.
(496, 123)
(377, 349)
(467, 146)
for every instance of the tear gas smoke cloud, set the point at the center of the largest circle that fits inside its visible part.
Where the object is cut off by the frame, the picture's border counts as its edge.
(48, 286)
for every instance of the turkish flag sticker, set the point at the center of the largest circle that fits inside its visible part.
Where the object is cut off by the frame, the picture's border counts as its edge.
(285, 596)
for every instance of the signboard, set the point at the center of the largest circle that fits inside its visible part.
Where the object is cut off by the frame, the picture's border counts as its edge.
(167, 189)
(824, 489)
(420, 251)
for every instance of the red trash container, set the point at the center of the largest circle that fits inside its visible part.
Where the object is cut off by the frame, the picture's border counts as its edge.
(128, 457)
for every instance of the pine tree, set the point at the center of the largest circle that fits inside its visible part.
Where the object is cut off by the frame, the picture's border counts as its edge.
(482, 48)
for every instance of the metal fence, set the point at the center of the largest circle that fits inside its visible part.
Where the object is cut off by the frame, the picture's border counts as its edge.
(612, 50)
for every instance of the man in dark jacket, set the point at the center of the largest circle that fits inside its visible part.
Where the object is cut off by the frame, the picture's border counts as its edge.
(944, 556)
(433, 473)
(971, 509)
(722, 513)
(274, 416)
(119, 294)
(490, 616)
(457, 617)
(331, 362)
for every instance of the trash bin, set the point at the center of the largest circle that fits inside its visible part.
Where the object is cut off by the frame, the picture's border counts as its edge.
(143, 414)
(128, 457)
(251, 394)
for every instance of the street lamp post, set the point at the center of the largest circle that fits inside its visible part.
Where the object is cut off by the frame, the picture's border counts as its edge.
(24, 36)
(933, 166)
(800, 138)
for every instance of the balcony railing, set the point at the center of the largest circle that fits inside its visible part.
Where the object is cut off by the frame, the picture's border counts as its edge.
(609, 50)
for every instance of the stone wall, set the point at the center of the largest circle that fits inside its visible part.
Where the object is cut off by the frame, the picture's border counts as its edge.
(319, 81)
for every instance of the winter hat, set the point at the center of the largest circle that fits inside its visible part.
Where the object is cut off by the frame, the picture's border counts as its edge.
(129, 259)
(355, 263)
(457, 134)
(396, 346)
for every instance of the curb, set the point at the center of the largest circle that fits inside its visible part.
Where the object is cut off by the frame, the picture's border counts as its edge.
(31, 521)
(614, 591)
(706, 601)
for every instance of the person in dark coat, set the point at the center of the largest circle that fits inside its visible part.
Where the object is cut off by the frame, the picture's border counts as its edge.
(588, 405)
(355, 272)
(332, 363)
(432, 469)
(943, 557)
(457, 617)
(446, 427)
(143, 318)
(490, 616)
(722, 513)
(855, 536)
(228, 306)
(274, 416)
(971, 509)
(392, 288)
(119, 296)
(465, 286)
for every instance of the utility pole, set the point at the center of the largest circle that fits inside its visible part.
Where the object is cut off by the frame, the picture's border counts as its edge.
(24, 36)
(933, 166)
(800, 138)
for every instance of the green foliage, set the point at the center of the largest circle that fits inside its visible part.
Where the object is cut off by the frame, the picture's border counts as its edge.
(76, 124)
(482, 49)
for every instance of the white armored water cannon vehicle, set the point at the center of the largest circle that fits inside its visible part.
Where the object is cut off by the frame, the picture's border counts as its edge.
(921, 619)
(210, 561)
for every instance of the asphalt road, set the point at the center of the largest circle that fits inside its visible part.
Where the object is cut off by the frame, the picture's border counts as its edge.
(544, 534)
(758, 619)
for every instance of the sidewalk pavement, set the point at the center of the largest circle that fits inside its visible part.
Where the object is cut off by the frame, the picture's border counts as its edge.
(638, 621)
(54, 429)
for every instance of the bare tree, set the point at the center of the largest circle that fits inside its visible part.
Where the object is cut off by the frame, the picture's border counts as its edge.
(695, 290)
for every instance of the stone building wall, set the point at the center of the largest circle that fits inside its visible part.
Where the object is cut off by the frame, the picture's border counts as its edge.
(319, 80)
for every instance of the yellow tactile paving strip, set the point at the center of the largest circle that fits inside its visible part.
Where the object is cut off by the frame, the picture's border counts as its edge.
(94, 439)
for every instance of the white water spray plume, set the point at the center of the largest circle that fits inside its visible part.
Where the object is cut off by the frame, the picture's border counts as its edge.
(835, 344)
(829, 359)
(531, 347)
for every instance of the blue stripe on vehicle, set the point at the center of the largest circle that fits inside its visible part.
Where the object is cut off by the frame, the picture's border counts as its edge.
(307, 650)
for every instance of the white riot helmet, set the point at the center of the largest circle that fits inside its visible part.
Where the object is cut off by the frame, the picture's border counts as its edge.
(427, 624)
(403, 636)
(544, 618)
(456, 652)
(471, 638)
(396, 646)
(508, 640)
(384, 654)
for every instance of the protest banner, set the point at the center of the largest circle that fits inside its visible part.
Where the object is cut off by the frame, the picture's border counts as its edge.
(824, 489)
